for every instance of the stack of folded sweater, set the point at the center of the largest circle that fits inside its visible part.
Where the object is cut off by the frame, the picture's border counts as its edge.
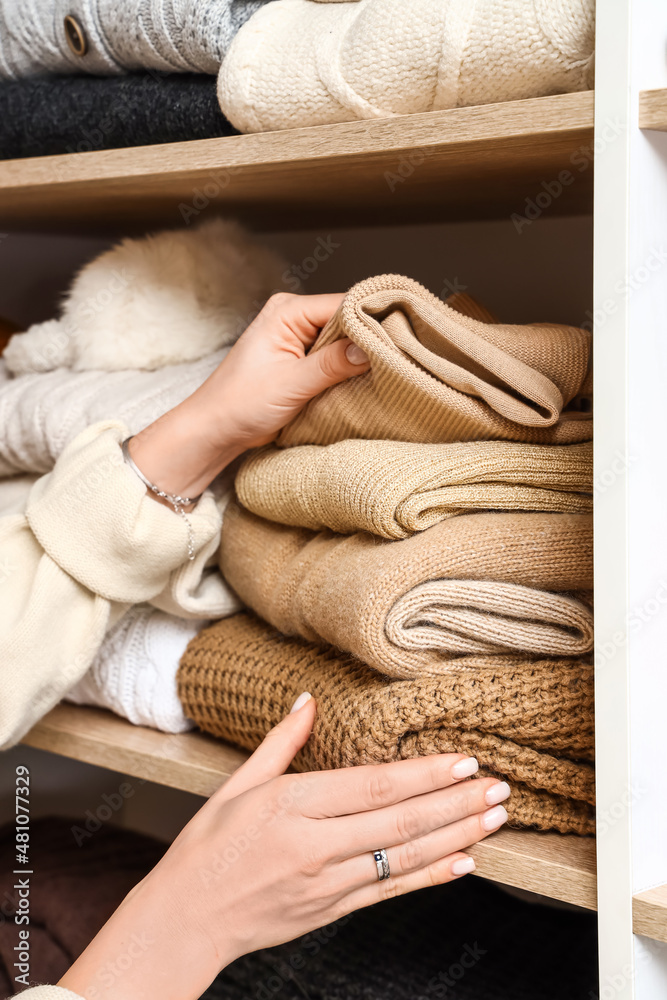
(419, 547)
(280, 64)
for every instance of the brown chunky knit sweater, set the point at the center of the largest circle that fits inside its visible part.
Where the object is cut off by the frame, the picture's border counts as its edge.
(437, 375)
(483, 583)
(528, 722)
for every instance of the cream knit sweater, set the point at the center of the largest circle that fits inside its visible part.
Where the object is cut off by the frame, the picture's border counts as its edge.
(297, 63)
(86, 544)
(48, 993)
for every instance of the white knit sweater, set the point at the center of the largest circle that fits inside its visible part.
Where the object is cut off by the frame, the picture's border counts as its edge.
(41, 414)
(47, 993)
(122, 35)
(87, 544)
(298, 63)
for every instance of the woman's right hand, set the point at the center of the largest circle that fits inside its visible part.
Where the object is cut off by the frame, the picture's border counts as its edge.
(272, 856)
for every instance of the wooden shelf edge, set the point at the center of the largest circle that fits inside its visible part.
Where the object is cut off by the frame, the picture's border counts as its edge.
(561, 867)
(561, 113)
(653, 110)
(190, 761)
(649, 913)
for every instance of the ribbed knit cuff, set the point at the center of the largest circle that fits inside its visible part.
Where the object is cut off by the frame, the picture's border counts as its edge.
(47, 993)
(93, 517)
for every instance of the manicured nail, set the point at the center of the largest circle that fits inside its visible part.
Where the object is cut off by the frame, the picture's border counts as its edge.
(464, 768)
(494, 818)
(463, 866)
(301, 701)
(355, 355)
(497, 793)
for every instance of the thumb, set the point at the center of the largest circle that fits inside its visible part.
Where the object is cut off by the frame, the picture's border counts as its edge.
(276, 752)
(334, 363)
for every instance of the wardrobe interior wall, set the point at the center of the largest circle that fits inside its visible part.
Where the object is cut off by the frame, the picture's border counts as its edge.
(541, 270)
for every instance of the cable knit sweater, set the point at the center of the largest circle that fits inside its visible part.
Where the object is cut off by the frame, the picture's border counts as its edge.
(86, 544)
(122, 35)
(299, 63)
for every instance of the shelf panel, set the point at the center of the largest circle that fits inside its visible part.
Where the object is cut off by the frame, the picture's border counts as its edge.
(653, 110)
(649, 912)
(476, 162)
(562, 867)
(191, 761)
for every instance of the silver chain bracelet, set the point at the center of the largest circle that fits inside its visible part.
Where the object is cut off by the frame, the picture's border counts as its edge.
(177, 502)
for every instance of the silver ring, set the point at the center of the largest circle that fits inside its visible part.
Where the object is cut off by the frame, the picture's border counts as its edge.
(382, 862)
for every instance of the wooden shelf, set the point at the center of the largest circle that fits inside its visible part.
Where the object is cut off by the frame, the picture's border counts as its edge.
(192, 761)
(653, 110)
(562, 867)
(649, 913)
(477, 162)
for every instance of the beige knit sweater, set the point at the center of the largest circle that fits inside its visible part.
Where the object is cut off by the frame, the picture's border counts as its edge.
(483, 583)
(48, 993)
(393, 488)
(437, 375)
(86, 543)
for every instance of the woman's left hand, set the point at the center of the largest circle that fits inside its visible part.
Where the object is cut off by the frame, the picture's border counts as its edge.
(264, 381)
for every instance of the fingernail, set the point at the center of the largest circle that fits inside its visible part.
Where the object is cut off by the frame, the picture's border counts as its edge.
(464, 768)
(494, 818)
(497, 793)
(355, 355)
(301, 701)
(463, 866)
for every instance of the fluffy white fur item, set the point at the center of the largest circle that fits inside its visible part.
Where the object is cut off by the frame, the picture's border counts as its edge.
(297, 63)
(164, 299)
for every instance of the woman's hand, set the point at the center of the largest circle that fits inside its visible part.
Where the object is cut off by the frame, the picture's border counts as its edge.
(264, 381)
(272, 856)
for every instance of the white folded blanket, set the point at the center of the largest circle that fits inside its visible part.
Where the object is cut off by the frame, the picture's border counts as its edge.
(298, 63)
(41, 414)
(134, 673)
(122, 35)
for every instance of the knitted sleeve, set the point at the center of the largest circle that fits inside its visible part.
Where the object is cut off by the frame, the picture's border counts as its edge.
(89, 544)
(47, 993)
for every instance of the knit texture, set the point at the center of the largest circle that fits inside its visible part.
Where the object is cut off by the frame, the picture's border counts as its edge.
(464, 941)
(41, 414)
(486, 582)
(47, 116)
(437, 375)
(162, 299)
(298, 63)
(122, 35)
(239, 677)
(393, 488)
(88, 543)
(134, 673)
(79, 879)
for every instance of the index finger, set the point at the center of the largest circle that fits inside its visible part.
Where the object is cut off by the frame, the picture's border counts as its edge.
(374, 786)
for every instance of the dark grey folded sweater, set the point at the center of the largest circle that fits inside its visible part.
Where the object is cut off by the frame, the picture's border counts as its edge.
(42, 116)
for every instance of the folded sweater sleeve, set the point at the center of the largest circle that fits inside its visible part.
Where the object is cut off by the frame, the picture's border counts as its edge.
(89, 544)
